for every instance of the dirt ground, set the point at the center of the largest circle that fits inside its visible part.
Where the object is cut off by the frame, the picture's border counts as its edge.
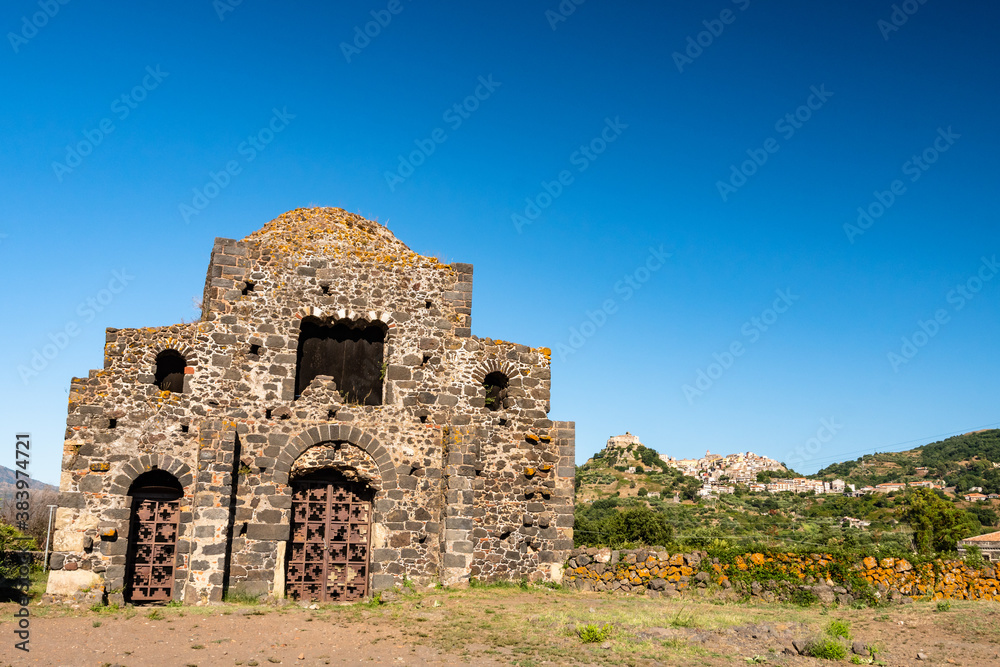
(502, 626)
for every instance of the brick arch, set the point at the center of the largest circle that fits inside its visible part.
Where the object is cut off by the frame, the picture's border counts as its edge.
(163, 344)
(355, 463)
(335, 433)
(488, 366)
(131, 469)
(337, 315)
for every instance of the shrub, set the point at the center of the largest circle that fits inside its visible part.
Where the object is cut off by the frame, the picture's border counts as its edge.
(592, 634)
(943, 605)
(974, 557)
(828, 649)
(602, 523)
(839, 629)
(12, 542)
(803, 598)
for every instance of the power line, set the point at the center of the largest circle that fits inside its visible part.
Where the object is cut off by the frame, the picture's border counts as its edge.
(875, 449)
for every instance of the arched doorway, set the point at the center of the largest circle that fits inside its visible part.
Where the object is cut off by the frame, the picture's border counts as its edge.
(328, 558)
(152, 549)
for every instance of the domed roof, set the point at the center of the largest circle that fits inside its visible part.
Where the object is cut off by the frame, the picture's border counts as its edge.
(326, 232)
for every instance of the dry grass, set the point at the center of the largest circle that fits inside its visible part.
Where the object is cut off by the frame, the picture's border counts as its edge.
(527, 627)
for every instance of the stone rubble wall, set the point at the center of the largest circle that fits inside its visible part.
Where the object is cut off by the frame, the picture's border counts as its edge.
(657, 572)
(454, 496)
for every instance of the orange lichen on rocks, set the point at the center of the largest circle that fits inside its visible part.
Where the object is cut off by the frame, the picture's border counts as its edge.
(333, 232)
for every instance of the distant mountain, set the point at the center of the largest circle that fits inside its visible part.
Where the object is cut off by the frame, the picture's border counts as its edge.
(9, 479)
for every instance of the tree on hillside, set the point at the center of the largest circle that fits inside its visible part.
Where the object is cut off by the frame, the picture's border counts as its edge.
(765, 476)
(984, 445)
(937, 524)
(651, 459)
(12, 542)
(642, 525)
(689, 488)
(609, 522)
(986, 515)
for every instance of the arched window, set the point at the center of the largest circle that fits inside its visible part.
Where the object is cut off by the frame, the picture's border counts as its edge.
(152, 546)
(351, 353)
(496, 389)
(169, 374)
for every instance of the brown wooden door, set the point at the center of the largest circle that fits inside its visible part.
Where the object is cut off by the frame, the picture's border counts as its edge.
(331, 538)
(153, 549)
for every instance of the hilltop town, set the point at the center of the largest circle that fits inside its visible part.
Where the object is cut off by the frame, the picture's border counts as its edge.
(717, 473)
(722, 474)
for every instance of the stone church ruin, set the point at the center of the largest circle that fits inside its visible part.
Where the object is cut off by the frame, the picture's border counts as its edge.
(329, 428)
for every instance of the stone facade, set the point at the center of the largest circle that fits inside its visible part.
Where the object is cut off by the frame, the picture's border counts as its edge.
(470, 479)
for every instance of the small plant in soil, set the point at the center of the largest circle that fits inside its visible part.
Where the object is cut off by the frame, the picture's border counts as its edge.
(592, 634)
(682, 619)
(839, 629)
(828, 649)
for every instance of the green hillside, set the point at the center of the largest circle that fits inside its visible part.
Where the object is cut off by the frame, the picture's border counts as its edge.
(627, 495)
(962, 461)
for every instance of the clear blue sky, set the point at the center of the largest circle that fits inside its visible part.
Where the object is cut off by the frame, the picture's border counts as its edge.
(197, 86)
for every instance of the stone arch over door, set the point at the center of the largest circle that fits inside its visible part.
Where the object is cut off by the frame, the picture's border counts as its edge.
(141, 464)
(348, 461)
(335, 433)
(384, 481)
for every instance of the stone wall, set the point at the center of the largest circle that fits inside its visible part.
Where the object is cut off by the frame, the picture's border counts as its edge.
(779, 576)
(462, 489)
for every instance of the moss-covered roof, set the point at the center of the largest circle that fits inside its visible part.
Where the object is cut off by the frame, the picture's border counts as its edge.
(335, 233)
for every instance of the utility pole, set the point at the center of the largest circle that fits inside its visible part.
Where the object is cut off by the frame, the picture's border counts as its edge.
(48, 533)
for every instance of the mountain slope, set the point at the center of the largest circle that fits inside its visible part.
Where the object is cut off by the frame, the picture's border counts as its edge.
(8, 478)
(962, 461)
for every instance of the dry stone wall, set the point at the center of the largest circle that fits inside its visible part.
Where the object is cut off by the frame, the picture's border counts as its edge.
(462, 489)
(778, 576)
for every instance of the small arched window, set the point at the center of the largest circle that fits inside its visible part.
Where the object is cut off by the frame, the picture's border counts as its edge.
(496, 384)
(169, 375)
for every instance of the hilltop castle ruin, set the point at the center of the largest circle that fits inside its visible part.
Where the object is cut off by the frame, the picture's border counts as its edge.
(329, 428)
